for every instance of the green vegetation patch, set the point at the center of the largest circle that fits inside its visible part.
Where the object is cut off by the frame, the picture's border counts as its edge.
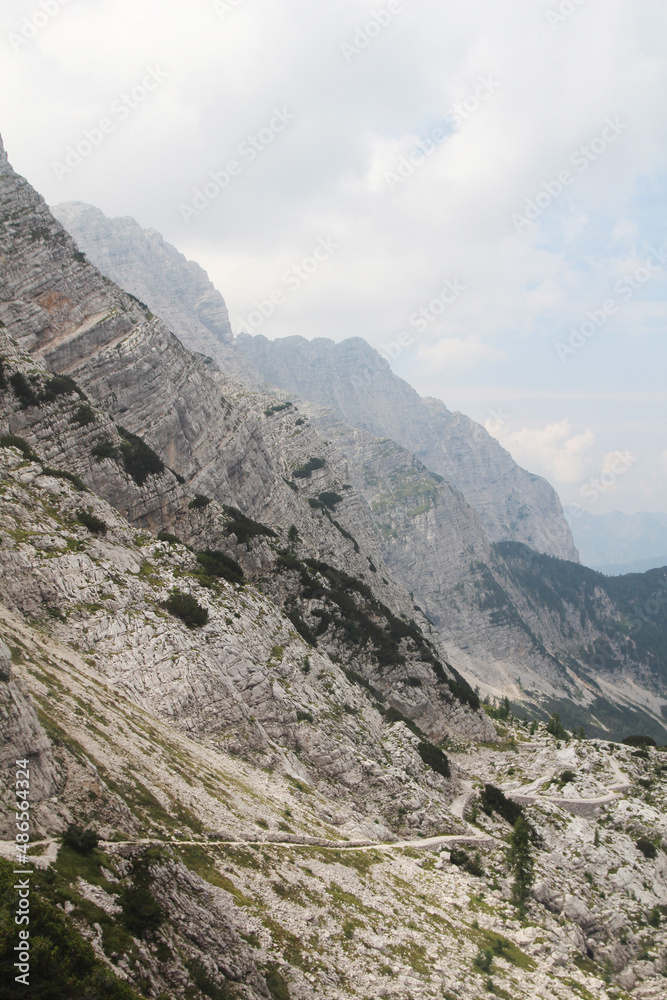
(94, 524)
(434, 758)
(83, 415)
(13, 441)
(187, 608)
(494, 800)
(62, 963)
(199, 502)
(244, 527)
(139, 459)
(216, 563)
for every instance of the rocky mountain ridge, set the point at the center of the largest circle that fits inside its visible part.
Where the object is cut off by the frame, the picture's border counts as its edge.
(430, 536)
(349, 378)
(356, 383)
(254, 772)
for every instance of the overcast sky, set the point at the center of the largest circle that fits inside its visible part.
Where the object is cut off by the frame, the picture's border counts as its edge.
(485, 183)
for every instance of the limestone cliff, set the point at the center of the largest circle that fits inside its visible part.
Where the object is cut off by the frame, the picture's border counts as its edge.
(352, 379)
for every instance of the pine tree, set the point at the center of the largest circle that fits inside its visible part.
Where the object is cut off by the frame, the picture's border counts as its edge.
(521, 864)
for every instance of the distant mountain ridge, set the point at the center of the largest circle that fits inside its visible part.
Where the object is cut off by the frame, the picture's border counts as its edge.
(619, 543)
(352, 379)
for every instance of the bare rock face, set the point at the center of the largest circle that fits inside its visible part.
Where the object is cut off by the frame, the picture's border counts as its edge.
(237, 451)
(352, 379)
(22, 737)
(144, 264)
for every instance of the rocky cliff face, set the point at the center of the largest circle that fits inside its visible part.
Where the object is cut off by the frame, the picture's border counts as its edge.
(349, 378)
(213, 668)
(177, 290)
(429, 534)
(352, 379)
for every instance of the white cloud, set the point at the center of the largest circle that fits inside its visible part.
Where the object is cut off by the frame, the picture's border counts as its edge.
(557, 451)
(457, 353)
(326, 173)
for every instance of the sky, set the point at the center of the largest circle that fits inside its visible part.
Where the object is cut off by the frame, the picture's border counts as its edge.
(478, 191)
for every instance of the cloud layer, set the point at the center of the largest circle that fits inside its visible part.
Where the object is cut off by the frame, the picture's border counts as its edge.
(509, 148)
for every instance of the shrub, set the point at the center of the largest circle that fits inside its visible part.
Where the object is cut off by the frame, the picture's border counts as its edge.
(303, 716)
(567, 776)
(13, 441)
(640, 741)
(69, 476)
(23, 390)
(199, 502)
(306, 471)
(104, 448)
(462, 859)
(216, 563)
(83, 415)
(186, 608)
(393, 715)
(275, 983)
(521, 863)
(141, 913)
(79, 840)
(654, 917)
(244, 527)
(212, 988)
(555, 727)
(166, 536)
(63, 963)
(139, 459)
(434, 758)
(276, 408)
(494, 800)
(59, 385)
(329, 499)
(483, 960)
(94, 524)
(647, 848)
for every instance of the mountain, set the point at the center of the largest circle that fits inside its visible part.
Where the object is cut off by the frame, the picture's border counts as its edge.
(356, 383)
(617, 543)
(545, 653)
(350, 378)
(252, 770)
(178, 290)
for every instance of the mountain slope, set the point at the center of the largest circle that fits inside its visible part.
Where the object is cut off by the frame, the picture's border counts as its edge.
(349, 378)
(428, 535)
(352, 379)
